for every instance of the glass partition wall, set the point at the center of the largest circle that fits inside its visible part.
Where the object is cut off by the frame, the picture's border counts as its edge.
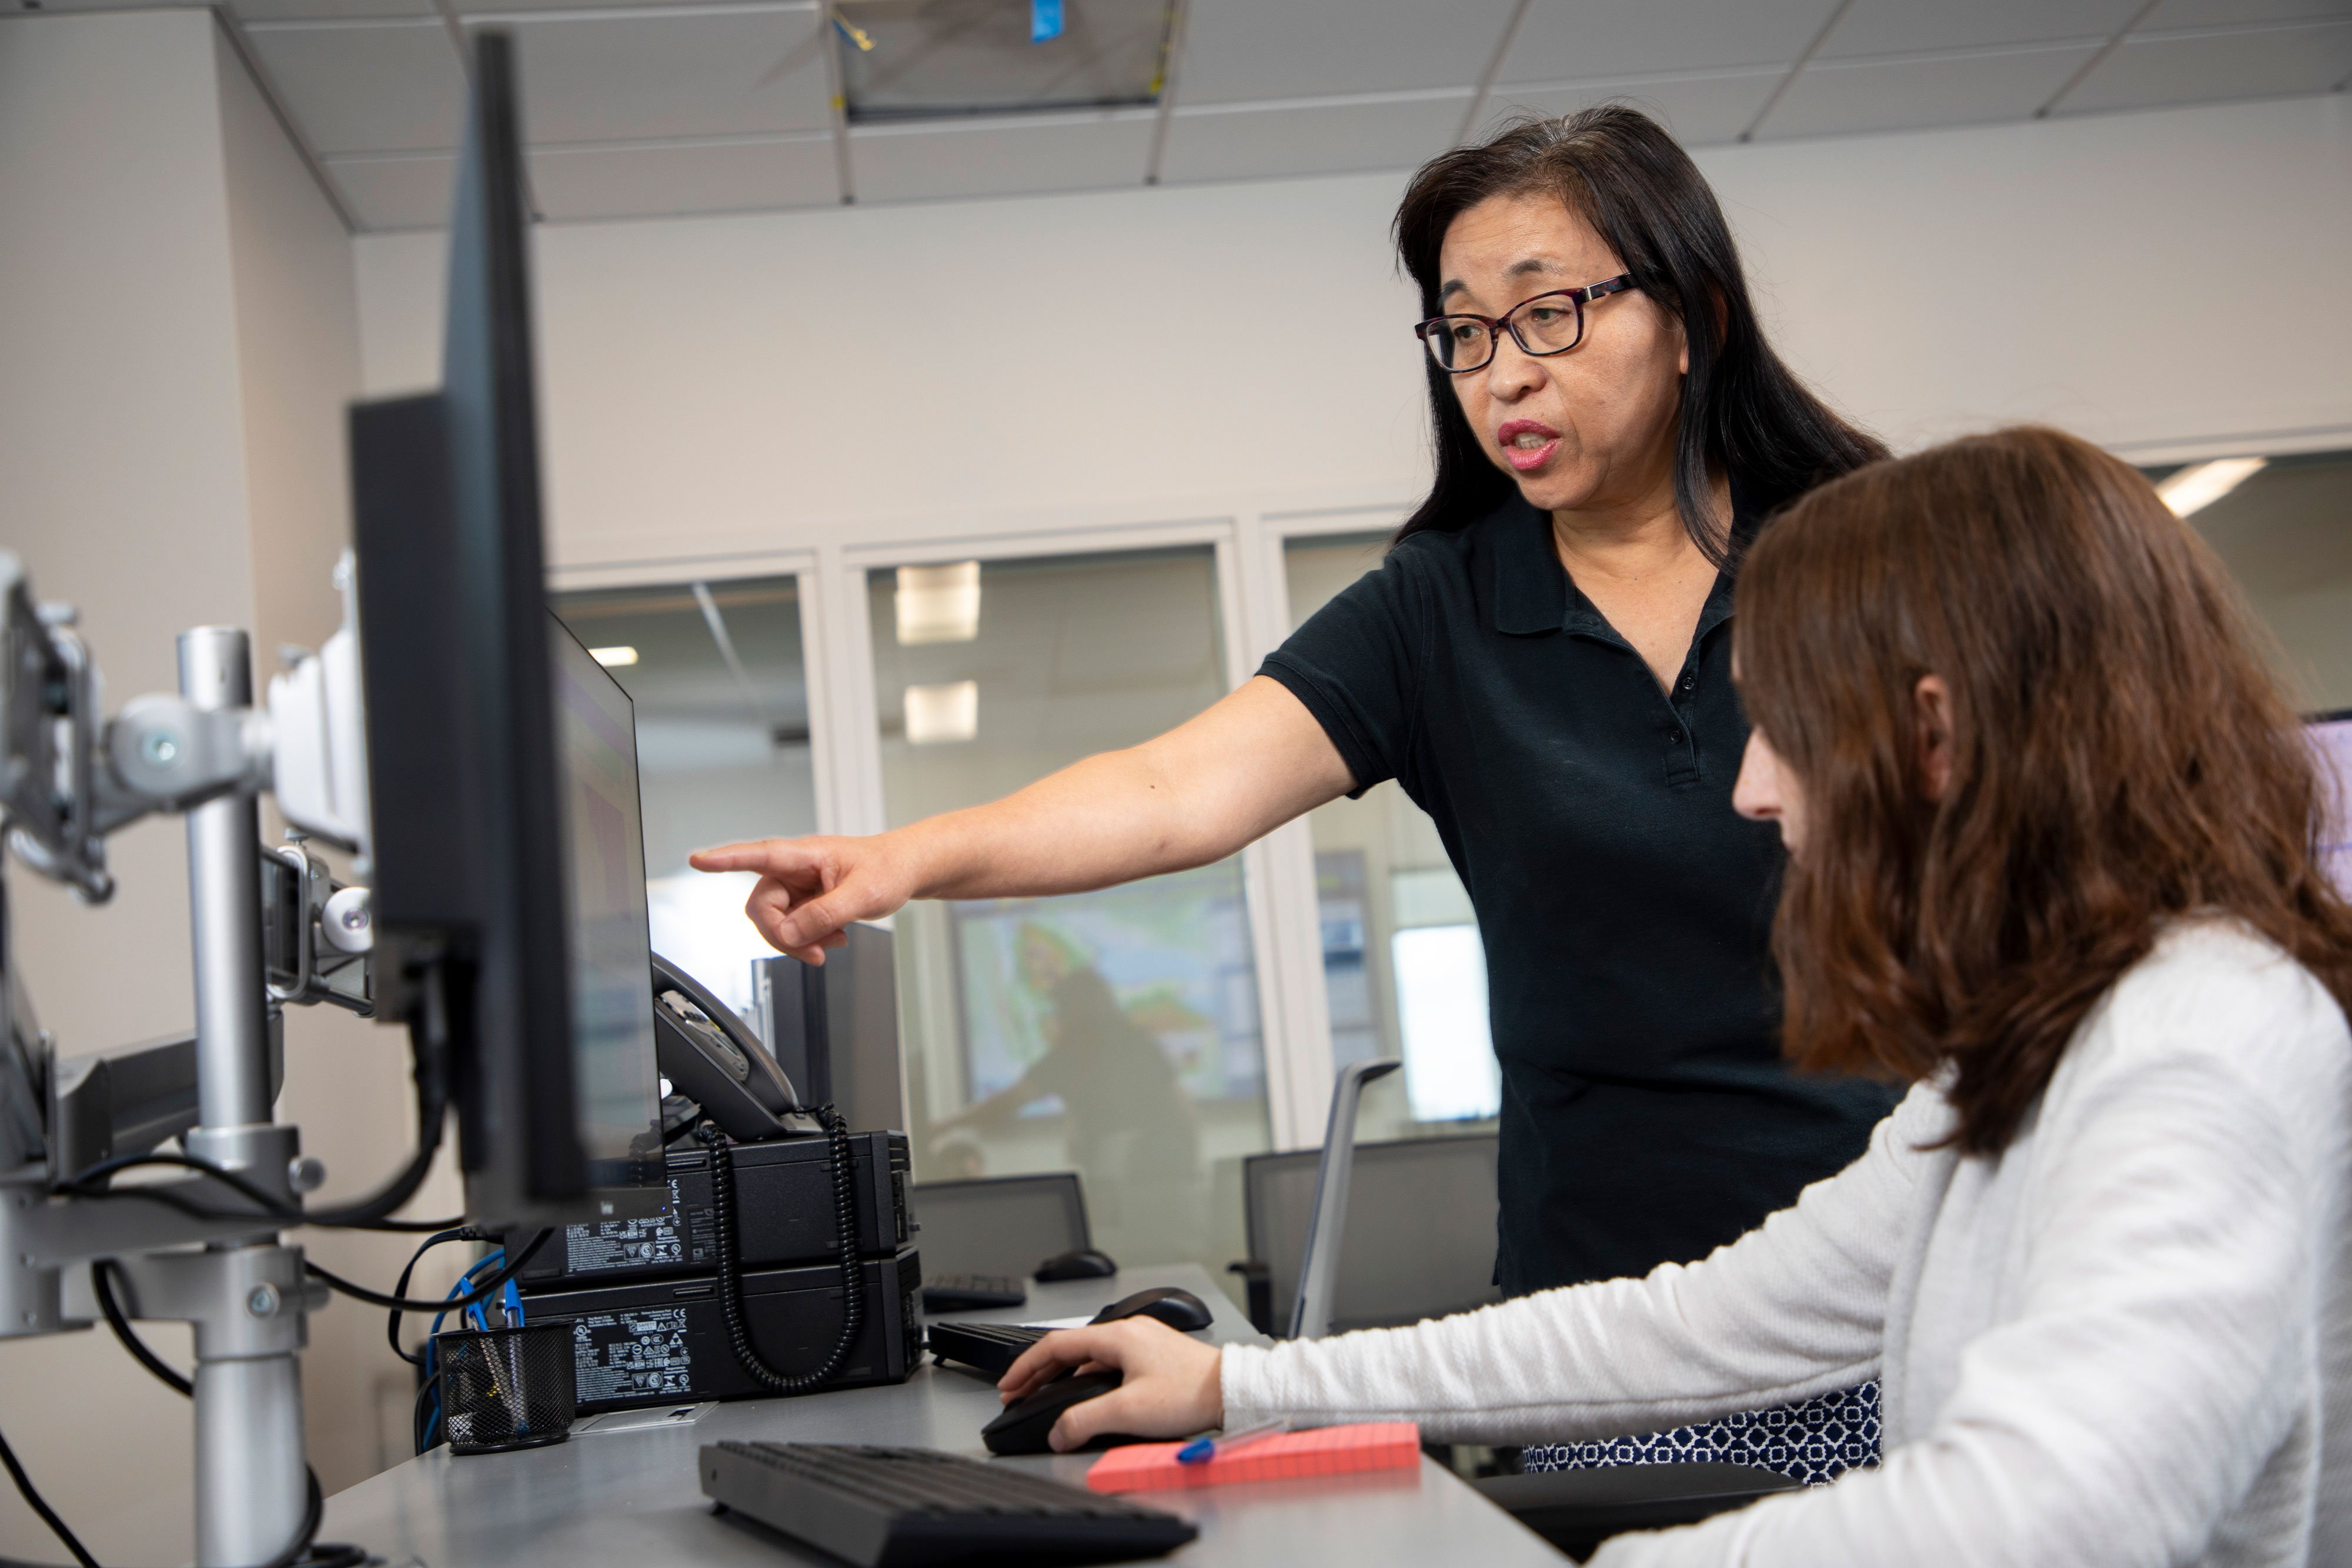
(1114, 1033)
(717, 673)
(1403, 967)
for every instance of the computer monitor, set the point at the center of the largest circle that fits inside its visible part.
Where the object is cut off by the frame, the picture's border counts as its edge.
(493, 770)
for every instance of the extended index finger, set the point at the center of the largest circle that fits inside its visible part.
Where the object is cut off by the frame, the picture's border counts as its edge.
(766, 856)
(1057, 1353)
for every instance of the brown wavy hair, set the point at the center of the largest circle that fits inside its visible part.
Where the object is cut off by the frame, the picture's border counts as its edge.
(2120, 755)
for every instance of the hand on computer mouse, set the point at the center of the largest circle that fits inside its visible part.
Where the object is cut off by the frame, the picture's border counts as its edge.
(1173, 1385)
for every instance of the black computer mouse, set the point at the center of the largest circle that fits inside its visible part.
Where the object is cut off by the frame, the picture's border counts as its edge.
(1086, 1263)
(1171, 1305)
(1023, 1425)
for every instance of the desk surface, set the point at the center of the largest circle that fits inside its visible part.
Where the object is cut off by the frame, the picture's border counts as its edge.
(631, 1498)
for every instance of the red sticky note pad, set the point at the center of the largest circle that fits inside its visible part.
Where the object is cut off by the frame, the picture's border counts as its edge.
(1325, 1451)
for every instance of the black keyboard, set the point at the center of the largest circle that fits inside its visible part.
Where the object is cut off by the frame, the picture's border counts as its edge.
(991, 1347)
(971, 1292)
(881, 1507)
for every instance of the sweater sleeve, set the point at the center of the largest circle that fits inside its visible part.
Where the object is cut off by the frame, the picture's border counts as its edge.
(1793, 1309)
(2152, 1375)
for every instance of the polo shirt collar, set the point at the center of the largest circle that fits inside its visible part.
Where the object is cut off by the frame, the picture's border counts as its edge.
(1533, 594)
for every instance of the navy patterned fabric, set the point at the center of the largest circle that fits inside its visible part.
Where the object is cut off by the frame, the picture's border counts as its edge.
(1814, 1441)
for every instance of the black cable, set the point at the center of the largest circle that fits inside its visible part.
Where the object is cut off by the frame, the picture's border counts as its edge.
(420, 1430)
(392, 1323)
(101, 1285)
(482, 1292)
(731, 1278)
(34, 1500)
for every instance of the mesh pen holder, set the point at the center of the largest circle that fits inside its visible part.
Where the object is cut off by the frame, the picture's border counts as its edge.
(506, 1389)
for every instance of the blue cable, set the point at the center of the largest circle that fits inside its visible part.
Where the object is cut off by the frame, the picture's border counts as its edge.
(489, 1260)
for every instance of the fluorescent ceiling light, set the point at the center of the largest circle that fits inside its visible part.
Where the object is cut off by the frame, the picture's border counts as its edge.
(949, 712)
(939, 603)
(610, 657)
(2200, 484)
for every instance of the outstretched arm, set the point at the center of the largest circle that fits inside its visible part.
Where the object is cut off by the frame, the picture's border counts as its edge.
(1194, 795)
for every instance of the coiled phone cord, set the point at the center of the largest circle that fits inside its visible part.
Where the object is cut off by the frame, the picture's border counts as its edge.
(731, 1277)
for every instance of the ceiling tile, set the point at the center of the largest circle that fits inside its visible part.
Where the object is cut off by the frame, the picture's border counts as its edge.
(999, 157)
(1236, 50)
(2199, 67)
(628, 75)
(366, 87)
(400, 192)
(1574, 40)
(1835, 96)
(1912, 27)
(1700, 111)
(1340, 137)
(660, 179)
(326, 10)
(2240, 12)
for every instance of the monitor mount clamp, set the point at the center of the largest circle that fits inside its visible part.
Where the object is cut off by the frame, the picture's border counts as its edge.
(69, 778)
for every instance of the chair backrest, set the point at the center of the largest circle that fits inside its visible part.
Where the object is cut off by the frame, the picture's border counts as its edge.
(1420, 1235)
(999, 1225)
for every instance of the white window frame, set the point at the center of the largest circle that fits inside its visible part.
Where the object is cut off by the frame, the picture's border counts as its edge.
(1253, 595)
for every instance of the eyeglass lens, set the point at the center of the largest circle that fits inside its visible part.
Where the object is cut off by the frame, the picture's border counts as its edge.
(1546, 325)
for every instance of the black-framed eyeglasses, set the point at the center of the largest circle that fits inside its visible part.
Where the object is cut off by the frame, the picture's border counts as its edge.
(1551, 323)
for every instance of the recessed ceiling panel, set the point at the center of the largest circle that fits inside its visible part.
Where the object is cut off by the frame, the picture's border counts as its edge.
(1001, 157)
(1912, 27)
(929, 59)
(367, 86)
(1835, 96)
(674, 178)
(1347, 136)
(1700, 111)
(1568, 41)
(2171, 14)
(405, 192)
(1236, 50)
(2193, 67)
(289, 10)
(626, 76)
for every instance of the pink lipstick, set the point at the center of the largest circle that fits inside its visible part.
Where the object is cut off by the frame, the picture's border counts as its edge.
(1528, 445)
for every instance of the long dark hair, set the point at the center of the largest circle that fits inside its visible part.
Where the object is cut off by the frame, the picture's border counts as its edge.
(2121, 756)
(1743, 411)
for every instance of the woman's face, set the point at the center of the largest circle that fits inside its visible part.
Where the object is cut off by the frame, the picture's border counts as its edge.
(1592, 428)
(1767, 792)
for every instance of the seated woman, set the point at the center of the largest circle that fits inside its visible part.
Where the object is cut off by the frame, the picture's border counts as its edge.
(2050, 832)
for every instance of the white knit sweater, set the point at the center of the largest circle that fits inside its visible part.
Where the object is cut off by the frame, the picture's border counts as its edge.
(2126, 1340)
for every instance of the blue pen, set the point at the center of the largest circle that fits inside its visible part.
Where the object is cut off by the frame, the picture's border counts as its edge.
(1200, 1451)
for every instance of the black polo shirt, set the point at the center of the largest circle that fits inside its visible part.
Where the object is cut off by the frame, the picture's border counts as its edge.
(1625, 906)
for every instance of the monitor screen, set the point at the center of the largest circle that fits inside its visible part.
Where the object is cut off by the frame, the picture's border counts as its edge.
(614, 1078)
(2331, 733)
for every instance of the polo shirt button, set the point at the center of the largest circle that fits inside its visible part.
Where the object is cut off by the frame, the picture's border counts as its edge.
(1689, 681)
(1675, 736)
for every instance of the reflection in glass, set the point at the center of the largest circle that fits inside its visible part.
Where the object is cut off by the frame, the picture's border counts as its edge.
(716, 672)
(1114, 1033)
(1402, 969)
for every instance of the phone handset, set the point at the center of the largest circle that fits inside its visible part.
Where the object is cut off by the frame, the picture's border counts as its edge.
(713, 1059)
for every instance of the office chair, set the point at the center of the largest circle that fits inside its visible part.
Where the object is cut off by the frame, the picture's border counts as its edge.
(999, 1225)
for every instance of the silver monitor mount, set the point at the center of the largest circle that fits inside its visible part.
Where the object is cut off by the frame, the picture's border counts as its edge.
(198, 1250)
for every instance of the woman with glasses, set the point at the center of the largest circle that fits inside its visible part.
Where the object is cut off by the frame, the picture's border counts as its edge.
(1543, 663)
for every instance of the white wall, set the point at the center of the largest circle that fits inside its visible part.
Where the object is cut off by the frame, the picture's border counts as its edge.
(872, 374)
(180, 333)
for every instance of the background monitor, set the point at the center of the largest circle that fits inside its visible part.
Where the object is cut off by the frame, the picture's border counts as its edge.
(2331, 733)
(494, 788)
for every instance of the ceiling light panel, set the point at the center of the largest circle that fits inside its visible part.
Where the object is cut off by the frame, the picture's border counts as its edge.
(1910, 26)
(680, 70)
(2198, 486)
(944, 713)
(1239, 50)
(1564, 42)
(937, 603)
(945, 58)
